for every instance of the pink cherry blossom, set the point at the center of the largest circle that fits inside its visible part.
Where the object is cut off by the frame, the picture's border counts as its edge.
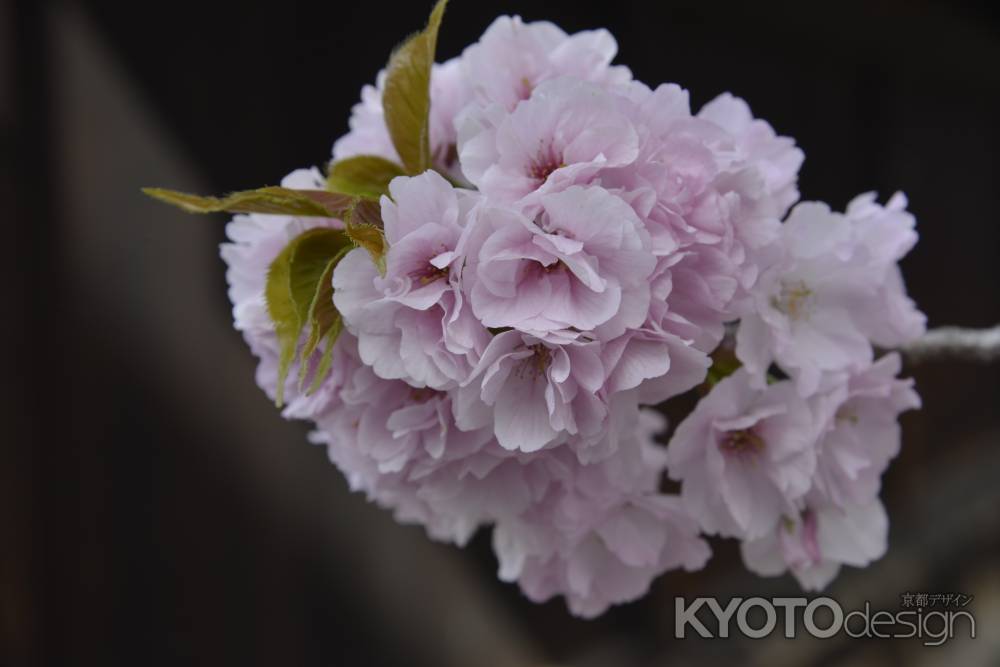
(567, 269)
(601, 533)
(399, 445)
(532, 53)
(755, 145)
(832, 290)
(745, 456)
(861, 432)
(612, 558)
(579, 251)
(535, 393)
(886, 235)
(660, 364)
(709, 189)
(816, 542)
(565, 133)
(413, 323)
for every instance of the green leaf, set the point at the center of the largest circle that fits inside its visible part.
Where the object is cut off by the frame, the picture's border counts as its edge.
(724, 364)
(293, 281)
(361, 215)
(365, 212)
(274, 200)
(407, 99)
(323, 320)
(327, 358)
(364, 227)
(363, 175)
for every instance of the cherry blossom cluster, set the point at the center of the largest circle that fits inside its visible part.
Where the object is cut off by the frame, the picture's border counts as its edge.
(585, 247)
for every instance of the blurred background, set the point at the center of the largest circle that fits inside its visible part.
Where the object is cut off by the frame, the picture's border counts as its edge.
(154, 507)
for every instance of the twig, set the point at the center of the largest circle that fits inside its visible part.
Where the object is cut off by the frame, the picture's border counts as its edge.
(982, 345)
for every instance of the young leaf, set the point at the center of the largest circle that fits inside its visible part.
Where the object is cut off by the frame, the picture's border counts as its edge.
(364, 227)
(291, 288)
(365, 212)
(275, 200)
(324, 363)
(407, 99)
(323, 319)
(362, 175)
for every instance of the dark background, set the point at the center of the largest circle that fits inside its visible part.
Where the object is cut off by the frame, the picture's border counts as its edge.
(156, 510)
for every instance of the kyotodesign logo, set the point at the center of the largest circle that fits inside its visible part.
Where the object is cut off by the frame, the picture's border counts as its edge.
(821, 617)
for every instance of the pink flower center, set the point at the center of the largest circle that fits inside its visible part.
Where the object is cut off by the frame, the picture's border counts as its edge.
(536, 364)
(741, 443)
(845, 416)
(544, 164)
(793, 300)
(429, 274)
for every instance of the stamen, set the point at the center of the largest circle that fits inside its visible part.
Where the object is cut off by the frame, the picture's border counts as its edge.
(429, 274)
(844, 415)
(793, 300)
(741, 442)
(545, 163)
(542, 170)
(524, 92)
(536, 364)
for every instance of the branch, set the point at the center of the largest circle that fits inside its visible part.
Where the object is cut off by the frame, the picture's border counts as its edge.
(982, 345)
